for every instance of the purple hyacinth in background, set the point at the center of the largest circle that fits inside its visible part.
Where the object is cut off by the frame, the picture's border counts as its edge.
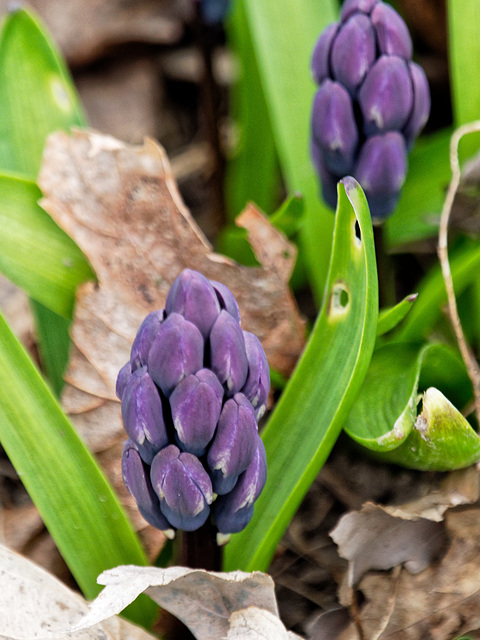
(191, 397)
(214, 11)
(371, 104)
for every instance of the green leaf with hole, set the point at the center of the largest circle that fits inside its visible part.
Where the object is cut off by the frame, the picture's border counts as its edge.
(72, 495)
(385, 420)
(310, 413)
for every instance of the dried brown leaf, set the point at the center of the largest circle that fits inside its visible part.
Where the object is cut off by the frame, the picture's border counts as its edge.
(121, 205)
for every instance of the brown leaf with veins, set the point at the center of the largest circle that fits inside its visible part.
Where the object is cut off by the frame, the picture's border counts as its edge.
(121, 205)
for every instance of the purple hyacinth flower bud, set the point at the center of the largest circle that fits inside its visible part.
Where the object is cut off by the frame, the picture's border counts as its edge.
(333, 127)
(196, 403)
(136, 478)
(321, 53)
(386, 96)
(226, 299)
(228, 356)
(232, 512)
(327, 179)
(352, 6)
(421, 104)
(142, 414)
(193, 297)
(176, 352)
(381, 170)
(353, 52)
(144, 339)
(393, 36)
(183, 487)
(122, 379)
(234, 444)
(214, 11)
(258, 379)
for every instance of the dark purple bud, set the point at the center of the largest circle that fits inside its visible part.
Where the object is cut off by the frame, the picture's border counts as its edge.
(333, 127)
(421, 104)
(321, 54)
(386, 96)
(228, 356)
(142, 414)
(144, 339)
(258, 379)
(393, 36)
(234, 444)
(353, 52)
(196, 403)
(352, 6)
(226, 299)
(232, 512)
(136, 477)
(183, 487)
(122, 379)
(214, 11)
(176, 352)
(328, 180)
(381, 171)
(193, 297)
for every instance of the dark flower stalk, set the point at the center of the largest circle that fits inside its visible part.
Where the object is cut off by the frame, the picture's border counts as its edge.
(191, 395)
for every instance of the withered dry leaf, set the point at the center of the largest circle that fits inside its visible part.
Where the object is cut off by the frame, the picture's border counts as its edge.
(412, 534)
(211, 605)
(121, 205)
(34, 604)
(442, 602)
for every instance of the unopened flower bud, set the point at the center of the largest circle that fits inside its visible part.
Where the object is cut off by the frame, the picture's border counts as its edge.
(136, 477)
(142, 414)
(193, 297)
(233, 511)
(258, 379)
(321, 54)
(144, 339)
(421, 104)
(176, 352)
(392, 33)
(196, 403)
(234, 443)
(183, 487)
(227, 300)
(351, 6)
(353, 52)
(228, 357)
(122, 379)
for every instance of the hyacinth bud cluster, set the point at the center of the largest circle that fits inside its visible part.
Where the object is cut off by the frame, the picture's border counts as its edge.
(191, 395)
(371, 104)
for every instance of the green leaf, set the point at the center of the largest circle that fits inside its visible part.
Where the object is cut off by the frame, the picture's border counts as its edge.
(289, 216)
(310, 413)
(389, 318)
(73, 497)
(384, 416)
(35, 254)
(283, 35)
(38, 96)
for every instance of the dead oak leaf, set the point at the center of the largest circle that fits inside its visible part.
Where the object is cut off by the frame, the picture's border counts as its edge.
(121, 205)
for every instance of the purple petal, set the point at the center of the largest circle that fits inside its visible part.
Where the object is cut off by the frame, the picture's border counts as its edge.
(193, 297)
(386, 96)
(122, 379)
(226, 299)
(321, 53)
(232, 512)
(393, 36)
(183, 487)
(381, 171)
(142, 412)
(196, 403)
(333, 127)
(144, 339)
(328, 180)
(258, 379)
(234, 444)
(353, 52)
(136, 477)
(176, 352)
(421, 104)
(228, 356)
(351, 6)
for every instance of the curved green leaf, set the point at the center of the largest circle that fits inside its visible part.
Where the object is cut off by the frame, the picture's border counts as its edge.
(309, 416)
(384, 416)
(389, 318)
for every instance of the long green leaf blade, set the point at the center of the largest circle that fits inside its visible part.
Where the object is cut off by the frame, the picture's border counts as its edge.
(73, 497)
(309, 416)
